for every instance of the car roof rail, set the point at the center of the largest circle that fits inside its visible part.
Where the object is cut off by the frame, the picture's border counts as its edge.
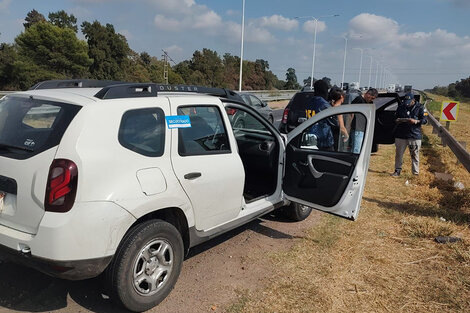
(133, 90)
(74, 83)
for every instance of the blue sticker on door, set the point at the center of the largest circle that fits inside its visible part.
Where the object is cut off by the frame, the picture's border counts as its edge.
(178, 121)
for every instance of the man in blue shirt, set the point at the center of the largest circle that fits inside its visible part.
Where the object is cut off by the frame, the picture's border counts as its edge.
(409, 118)
(323, 129)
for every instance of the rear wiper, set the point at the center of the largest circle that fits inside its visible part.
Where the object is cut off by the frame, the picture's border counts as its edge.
(4, 145)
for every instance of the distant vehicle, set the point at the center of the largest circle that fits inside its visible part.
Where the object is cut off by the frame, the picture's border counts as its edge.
(391, 88)
(408, 88)
(354, 85)
(259, 105)
(345, 86)
(398, 88)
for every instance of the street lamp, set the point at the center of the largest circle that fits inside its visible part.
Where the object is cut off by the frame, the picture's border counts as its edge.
(370, 71)
(315, 19)
(241, 52)
(360, 66)
(376, 75)
(344, 60)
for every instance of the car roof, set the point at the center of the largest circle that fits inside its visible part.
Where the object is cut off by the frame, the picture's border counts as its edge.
(83, 92)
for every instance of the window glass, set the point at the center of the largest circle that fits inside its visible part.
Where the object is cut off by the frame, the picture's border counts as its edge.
(340, 133)
(29, 126)
(143, 131)
(207, 134)
(242, 120)
(255, 101)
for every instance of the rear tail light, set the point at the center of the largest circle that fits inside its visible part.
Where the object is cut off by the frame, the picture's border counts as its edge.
(61, 186)
(284, 116)
(231, 111)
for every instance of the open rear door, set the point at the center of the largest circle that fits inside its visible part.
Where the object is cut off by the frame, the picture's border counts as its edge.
(326, 164)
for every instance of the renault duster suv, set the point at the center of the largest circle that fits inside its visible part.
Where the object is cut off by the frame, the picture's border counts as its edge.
(125, 178)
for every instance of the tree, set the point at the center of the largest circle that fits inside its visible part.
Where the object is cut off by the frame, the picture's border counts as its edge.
(209, 64)
(463, 87)
(108, 50)
(146, 58)
(32, 18)
(46, 51)
(291, 79)
(63, 20)
(8, 56)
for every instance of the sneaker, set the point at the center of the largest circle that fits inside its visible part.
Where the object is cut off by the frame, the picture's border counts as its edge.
(396, 173)
(416, 174)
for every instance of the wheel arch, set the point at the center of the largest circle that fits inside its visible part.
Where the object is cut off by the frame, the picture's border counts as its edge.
(173, 215)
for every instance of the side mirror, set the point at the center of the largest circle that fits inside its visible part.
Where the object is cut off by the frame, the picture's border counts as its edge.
(264, 104)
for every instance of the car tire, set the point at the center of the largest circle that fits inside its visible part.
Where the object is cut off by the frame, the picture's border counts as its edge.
(146, 265)
(297, 212)
(271, 119)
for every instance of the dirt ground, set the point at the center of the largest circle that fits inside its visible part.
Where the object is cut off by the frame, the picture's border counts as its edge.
(213, 276)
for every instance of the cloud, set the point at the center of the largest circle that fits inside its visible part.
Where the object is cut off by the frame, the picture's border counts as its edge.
(170, 24)
(371, 27)
(278, 22)
(309, 26)
(174, 49)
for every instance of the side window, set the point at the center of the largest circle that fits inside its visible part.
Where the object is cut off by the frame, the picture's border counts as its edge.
(207, 134)
(143, 131)
(242, 120)
(339, 133)
(255, 101)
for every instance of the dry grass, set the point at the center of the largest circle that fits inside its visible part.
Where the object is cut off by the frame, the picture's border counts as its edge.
(387, 261)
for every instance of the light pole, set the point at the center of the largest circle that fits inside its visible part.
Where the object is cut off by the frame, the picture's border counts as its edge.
(344, 60)
(241, 52)
(315, 19)
(376, 74)
(370, 71)
(360, 66)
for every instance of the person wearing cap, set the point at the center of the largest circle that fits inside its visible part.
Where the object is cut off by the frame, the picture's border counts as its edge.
(409, 118)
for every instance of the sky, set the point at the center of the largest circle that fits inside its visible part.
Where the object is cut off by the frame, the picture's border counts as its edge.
(423, 43)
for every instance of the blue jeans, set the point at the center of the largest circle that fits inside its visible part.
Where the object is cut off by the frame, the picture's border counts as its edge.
(357, 141)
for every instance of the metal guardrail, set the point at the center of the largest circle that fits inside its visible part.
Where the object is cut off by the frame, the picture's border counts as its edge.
(272, 95)
(462, 155)
(6, 92)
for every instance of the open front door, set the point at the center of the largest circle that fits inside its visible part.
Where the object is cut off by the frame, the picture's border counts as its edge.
(327, 158)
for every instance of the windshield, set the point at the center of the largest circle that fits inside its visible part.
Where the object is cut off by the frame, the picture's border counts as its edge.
(30, 126)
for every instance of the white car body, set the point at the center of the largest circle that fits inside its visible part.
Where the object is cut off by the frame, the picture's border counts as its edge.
(119, 188)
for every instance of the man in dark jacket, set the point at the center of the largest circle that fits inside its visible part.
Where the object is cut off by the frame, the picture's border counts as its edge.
(323, 129)
(410, 116)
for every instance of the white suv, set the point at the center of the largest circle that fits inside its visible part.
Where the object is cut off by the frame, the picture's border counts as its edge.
(125, 178)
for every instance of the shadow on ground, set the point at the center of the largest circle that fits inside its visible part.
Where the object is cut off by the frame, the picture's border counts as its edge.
(27, 290)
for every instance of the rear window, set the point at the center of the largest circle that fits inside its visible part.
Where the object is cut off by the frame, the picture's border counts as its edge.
(29, 126)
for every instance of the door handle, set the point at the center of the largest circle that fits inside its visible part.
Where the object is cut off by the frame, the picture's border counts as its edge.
(193, 175)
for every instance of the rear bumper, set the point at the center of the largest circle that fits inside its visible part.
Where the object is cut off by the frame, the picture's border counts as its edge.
(75, 245)
(71, 270)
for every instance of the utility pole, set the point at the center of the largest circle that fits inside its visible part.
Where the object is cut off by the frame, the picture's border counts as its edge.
(166, 63)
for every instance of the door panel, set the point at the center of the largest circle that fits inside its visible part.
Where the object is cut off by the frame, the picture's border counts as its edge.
(206, 163)
(325, 165)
